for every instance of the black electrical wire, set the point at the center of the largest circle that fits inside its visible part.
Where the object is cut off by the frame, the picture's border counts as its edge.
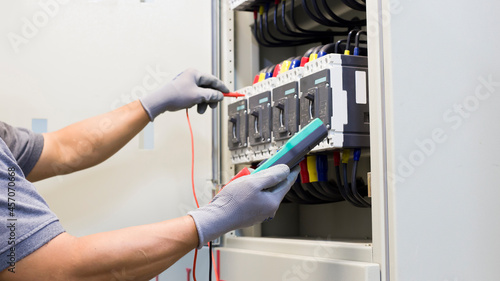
(355, 188)
(339, 182)
(287, 31)
(356, 42)
(341, 42)
(332, 191)
(322, 19)
(262, 40)
(276, 27)
(315, 50)
(354, 5)
(343, 188)
(314, 17)
(283, 41)
(302, 192)
(296, 26)
(263, 36)
(292, 197)
(348, 42)
(257, 38)
(352, 196)
(210, 261)
(327, 49)
(337, 45)
(335, 17)
(352, 199)
(329, 191)
(309, 52)
(317, 191)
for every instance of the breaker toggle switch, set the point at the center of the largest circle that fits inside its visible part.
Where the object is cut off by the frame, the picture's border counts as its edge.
(282, 129)
(235, 132)
(310, 97)
(257, 135)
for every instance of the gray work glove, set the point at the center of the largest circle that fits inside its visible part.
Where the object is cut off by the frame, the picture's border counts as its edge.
(187, 89)
(244, 202)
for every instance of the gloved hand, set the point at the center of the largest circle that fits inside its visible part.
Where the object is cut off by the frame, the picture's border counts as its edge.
(244, 202)
(187, 89)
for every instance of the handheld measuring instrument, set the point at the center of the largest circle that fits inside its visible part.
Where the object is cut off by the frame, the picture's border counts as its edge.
(294, 149)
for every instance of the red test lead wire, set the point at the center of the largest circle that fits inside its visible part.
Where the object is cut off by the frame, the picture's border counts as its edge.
(192, 183)
(195, 199)
(233, 95)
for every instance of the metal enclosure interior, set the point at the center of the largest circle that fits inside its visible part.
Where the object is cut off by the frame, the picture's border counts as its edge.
(432, 158)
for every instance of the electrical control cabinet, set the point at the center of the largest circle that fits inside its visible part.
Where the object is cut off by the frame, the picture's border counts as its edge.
(334, 89)
(414, 158)
(314, 210)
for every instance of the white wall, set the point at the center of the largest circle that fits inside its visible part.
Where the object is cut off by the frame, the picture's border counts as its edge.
(82, 58)
(441, 96)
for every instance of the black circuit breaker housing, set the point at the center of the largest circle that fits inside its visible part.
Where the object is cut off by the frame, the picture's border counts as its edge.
(259, 118)
(316, 98)
(237, 125)
(285, 111)
(334, 89)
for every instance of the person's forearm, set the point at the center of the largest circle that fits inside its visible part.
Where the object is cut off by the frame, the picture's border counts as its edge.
(135, 253)
(88, 142)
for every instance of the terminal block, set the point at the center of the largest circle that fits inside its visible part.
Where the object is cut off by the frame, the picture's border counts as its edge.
(334, 89)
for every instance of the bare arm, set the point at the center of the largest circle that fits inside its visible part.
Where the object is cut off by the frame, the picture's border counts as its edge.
(88, 142)
(135, 253)
(91, 141)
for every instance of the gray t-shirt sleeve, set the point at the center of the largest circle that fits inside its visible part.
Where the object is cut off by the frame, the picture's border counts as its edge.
(27, 221)
(26, 146)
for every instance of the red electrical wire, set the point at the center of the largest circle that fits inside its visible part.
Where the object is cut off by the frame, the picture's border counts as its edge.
(192, 159)
(196, 200)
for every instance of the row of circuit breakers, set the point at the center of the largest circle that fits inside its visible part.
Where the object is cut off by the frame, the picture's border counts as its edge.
(332, 88)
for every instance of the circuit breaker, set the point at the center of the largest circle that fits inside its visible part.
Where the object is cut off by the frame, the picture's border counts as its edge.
(238, 124)
(237, 129)
(316, 98)
(260, 116)
(286, 106)
(334, 89)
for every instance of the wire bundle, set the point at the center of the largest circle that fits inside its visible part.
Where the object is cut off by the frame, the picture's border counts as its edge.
(287, 32)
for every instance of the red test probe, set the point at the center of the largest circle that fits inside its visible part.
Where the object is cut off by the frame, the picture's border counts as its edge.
(233, 95)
